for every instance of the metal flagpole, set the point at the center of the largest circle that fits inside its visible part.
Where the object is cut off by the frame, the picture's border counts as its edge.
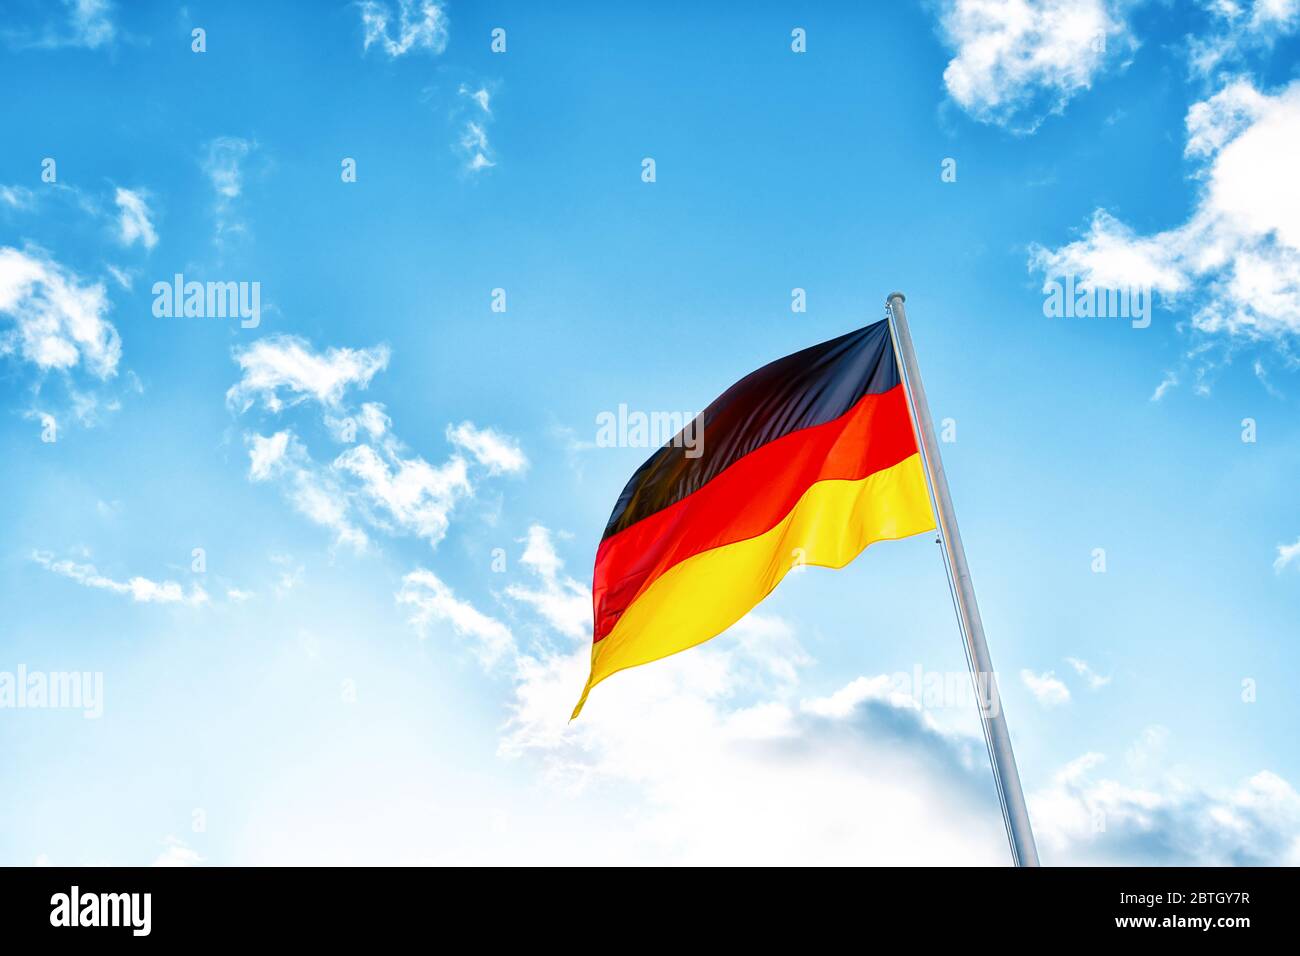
(1005, 776)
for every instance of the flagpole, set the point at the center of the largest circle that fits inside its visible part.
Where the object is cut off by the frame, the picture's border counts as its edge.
(1003, 760)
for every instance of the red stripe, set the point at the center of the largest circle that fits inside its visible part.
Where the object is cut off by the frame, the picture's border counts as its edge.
(749, 498)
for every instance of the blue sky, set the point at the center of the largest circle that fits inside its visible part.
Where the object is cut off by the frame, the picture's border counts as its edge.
(397, 491)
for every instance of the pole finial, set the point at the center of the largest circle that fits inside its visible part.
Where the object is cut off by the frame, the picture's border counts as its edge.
(895, 295)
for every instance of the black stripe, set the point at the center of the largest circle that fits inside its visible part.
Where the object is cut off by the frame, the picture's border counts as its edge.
(810, 387)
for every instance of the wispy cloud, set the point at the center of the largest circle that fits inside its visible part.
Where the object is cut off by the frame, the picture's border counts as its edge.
(419, 25)
(313, 490)
(1090, 677)
(562, 602)
(1286, 553)
(500, 454)
(1047, 689)
(17, 197)
(1169, 381)
(223, 164)
(432, 600)
(86, 23)
(140, 589)
(134, 222)
(473, 142)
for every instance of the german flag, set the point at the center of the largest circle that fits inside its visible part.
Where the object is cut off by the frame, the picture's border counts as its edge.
(806, 461)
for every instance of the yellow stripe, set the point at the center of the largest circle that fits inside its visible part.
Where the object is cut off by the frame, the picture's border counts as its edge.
(705, 594)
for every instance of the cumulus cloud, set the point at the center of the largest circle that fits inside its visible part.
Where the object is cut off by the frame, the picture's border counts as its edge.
(857, 776)
(141, 590)
(419, 25)
(1084, 820)
(1236, 261)
(1018, 61)
(713, 764)
(708, 748)
(417, 496)
(59, 320)
(283, 370)
(134, 223)
(432, 600)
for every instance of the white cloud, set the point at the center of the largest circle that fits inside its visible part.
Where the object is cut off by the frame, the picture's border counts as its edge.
(1286, 553)
(1169, 381)
(59, 320)
(17, 197)
(1082, 821)
(1090, 677)
(314, 492)
(283, 363)
(1018, 61)
(381, 483)
(265, 454)
(88, 24)
(859, 776)
(134, 221)
(433, 600)
(481, 96)
(716, 757)
(473, 142)
(722, 775)
(421, 25)
(177, 853)
(1237, 258)
(1241, 28)
(1046, 688)
(562, 602)
(141, 590)
(498, 453)
(418, 496)
(223, 164)
(1148, 752)
(91, 22)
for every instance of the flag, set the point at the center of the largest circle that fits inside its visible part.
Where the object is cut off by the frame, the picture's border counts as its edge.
(804, 462)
